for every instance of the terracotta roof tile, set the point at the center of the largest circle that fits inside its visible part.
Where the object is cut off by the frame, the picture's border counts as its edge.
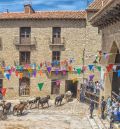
(97, 4)
(45, 15)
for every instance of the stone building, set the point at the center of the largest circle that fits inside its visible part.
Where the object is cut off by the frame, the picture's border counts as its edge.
(34, 37)
(108, 21)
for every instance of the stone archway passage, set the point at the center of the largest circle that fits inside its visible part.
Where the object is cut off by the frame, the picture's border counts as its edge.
(116, 79)
(115, 59)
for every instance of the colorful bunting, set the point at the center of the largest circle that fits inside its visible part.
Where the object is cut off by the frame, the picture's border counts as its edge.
(58, 82)
(3, 91)
(109, 67)
(91, 77)
(8, 76)
(64, 72)
(99, 68)
(20, 75)
(40, 86)
(79, 70)
(49, 69)
(118, 73)
(91, 67)
(57, 71)
(40, 72)
(34, 73)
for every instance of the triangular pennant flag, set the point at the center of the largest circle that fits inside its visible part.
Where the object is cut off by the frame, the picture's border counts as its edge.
(38, 68)
(79, 70)
(70, 68)
(3, 91)
(34, 73)
(29, 70)
(41, 65)
(20, 75)
(99, 68)
(8, 76)
(58, 82)
(91, 67)
(40, 86)
(64, 72)
(91, 77)
(16, 73)
(106, 56)
(118, 73)
(109, 67)
(49, 69)
(40, 72)
(56, 71)
(10, 71)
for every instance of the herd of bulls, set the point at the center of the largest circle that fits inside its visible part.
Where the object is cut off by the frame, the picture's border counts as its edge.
(36, 102)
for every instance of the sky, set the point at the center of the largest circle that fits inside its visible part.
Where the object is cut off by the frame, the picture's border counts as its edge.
(17, 5)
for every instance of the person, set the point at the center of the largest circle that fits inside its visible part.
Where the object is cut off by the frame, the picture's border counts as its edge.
(111, 118)
(91, 108)
(109, 103)
(82, 96)
(103, 106)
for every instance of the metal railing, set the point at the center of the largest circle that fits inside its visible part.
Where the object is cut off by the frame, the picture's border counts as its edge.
(20, 41)
(56, 41)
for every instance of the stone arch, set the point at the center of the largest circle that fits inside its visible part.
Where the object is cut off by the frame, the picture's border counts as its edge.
(114, 59)
(114, 50)
(112, 82)
(115, 78)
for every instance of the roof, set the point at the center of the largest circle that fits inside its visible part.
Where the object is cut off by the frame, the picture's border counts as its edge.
(97, 4)
(103, 9)
(44, 15)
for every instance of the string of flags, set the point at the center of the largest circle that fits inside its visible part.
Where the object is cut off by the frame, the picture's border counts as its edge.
(33, 70)
(103, 55)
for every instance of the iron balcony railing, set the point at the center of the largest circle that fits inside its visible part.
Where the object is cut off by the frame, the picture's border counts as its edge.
(25, 43)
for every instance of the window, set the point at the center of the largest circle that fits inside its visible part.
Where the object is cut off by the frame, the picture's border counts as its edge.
(56, 32)
(24, 58)
(25, 32)
(56, 56)
(55, 88)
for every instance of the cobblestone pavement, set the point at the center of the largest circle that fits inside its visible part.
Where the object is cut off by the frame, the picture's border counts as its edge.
(72, 115)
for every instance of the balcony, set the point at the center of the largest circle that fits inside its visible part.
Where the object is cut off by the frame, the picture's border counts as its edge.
(25, 44)
(57, 44)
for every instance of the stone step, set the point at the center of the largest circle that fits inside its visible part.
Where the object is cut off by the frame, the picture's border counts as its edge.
(93, 123)
(99, 123)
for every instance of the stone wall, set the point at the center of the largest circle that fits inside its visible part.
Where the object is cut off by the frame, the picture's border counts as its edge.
(78, 35)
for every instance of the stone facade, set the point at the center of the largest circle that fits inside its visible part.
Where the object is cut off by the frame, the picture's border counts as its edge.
(78, 34)
(110, 43)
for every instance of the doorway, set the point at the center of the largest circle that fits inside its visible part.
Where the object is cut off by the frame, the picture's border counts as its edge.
(55, 87)
(24, 86)
(71, 86)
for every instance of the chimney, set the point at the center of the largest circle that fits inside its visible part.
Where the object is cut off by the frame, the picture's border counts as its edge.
(28, 9)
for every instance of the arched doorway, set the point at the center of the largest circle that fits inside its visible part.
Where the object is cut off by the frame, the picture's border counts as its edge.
(115, 59)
